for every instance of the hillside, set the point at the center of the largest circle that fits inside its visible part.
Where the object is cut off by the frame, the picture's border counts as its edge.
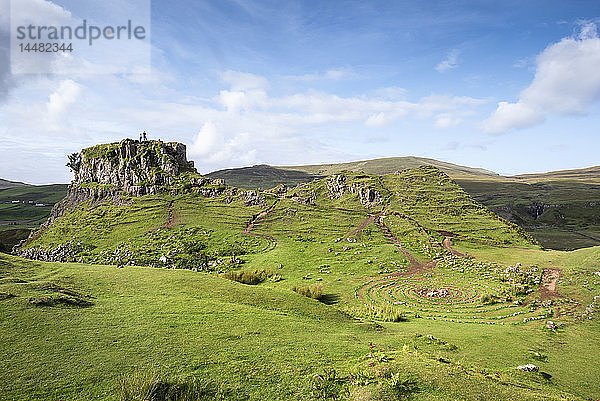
(25, 208)
(353, 286)
(590, 175)
(560, 209)
(4, 184)
(262, 177)
(392, 164)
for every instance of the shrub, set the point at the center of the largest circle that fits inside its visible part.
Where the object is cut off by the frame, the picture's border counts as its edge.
(251, 277)
(324, 386)
(314, 291)
(488, 299)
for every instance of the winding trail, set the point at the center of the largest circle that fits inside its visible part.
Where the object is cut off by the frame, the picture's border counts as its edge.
(414, 267)
(358, 230)
(448, 245)
(171, 218)
(549, 280)
(254, 221)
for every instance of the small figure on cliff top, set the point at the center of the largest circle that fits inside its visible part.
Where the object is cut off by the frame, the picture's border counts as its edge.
(144, 136)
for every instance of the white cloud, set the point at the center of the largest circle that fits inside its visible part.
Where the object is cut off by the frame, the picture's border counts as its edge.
(446, 120)
(65, 95)
(333, 75)
(567, 81)
(233, 128)
(449, 63)
(240, 81)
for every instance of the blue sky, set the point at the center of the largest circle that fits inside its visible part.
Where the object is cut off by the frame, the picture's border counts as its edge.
(509, 86)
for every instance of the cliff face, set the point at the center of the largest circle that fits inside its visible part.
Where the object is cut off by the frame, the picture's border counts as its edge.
(112, 172)
(138, 168)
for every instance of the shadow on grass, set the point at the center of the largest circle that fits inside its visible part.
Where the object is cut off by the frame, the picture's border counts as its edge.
(329, 299)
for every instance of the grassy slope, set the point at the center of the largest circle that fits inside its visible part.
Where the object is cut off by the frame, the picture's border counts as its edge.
(260, 341)
(261, 177)
(34, 216)
(572, 219)
(390, 165)
(24, 217)
(266, 341)
(569, 224)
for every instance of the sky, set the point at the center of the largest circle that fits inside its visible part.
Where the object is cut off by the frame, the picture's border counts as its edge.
(511, 86)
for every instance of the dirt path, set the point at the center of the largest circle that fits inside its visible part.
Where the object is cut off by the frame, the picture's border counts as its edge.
(414, 267)
(549, 281)
(171, 219)
(254, 221)
(358, 230)
(448, 245)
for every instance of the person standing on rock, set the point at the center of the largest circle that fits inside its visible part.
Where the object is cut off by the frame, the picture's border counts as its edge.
(144, 135)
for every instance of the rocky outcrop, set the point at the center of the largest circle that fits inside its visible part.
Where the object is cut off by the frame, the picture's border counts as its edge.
(253, 198)
(136, 167)
(62, 253)
(369, 197)
(336, 184)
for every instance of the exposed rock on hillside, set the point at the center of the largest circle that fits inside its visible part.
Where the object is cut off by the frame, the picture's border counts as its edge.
(368, 196)
(138, 168)
(117, 171)
(336, 185)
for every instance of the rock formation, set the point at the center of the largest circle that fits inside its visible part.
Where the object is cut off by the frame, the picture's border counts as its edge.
(117, 171)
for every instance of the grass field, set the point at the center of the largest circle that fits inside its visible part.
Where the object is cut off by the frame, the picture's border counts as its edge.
(398, 316)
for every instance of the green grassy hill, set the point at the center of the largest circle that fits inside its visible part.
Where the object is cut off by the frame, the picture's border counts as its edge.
(560, 209)
(226, 340)
(590, 174)
(21, 210)
(391, 165)
(262, 177)
(353, 286)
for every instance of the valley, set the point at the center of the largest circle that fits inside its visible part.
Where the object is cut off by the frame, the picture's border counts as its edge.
(355, 285)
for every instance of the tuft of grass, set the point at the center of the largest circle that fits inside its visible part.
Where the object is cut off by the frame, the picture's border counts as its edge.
(149, 385)
(314, 291)
(488, 299)
(60, 299)
(251, 277)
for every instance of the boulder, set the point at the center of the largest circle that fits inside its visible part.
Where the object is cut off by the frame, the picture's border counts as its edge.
(528, 368)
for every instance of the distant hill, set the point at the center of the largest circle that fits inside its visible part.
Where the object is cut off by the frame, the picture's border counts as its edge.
(11, 184)
(590, 174)
(262, 176)
(390, 165)
(265, 177)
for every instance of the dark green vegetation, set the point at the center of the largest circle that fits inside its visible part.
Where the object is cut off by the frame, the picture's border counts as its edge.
(560, 209)
(561, 214)
(17, 219)
(343, 288)
(262, 177)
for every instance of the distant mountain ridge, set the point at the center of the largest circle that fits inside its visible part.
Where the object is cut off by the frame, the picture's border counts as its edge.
(264, 176)
(591, 174)
(4, 184)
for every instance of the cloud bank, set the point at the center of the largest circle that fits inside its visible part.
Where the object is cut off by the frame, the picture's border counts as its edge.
(566, 82)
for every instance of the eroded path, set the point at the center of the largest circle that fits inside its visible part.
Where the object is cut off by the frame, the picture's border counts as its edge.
(414, 267)
(448, 245)
(255, 220)
(171, 218)
(549, 281)
(358, 230)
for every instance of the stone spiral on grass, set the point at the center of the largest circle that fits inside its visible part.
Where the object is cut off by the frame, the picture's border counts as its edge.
(443, 297)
